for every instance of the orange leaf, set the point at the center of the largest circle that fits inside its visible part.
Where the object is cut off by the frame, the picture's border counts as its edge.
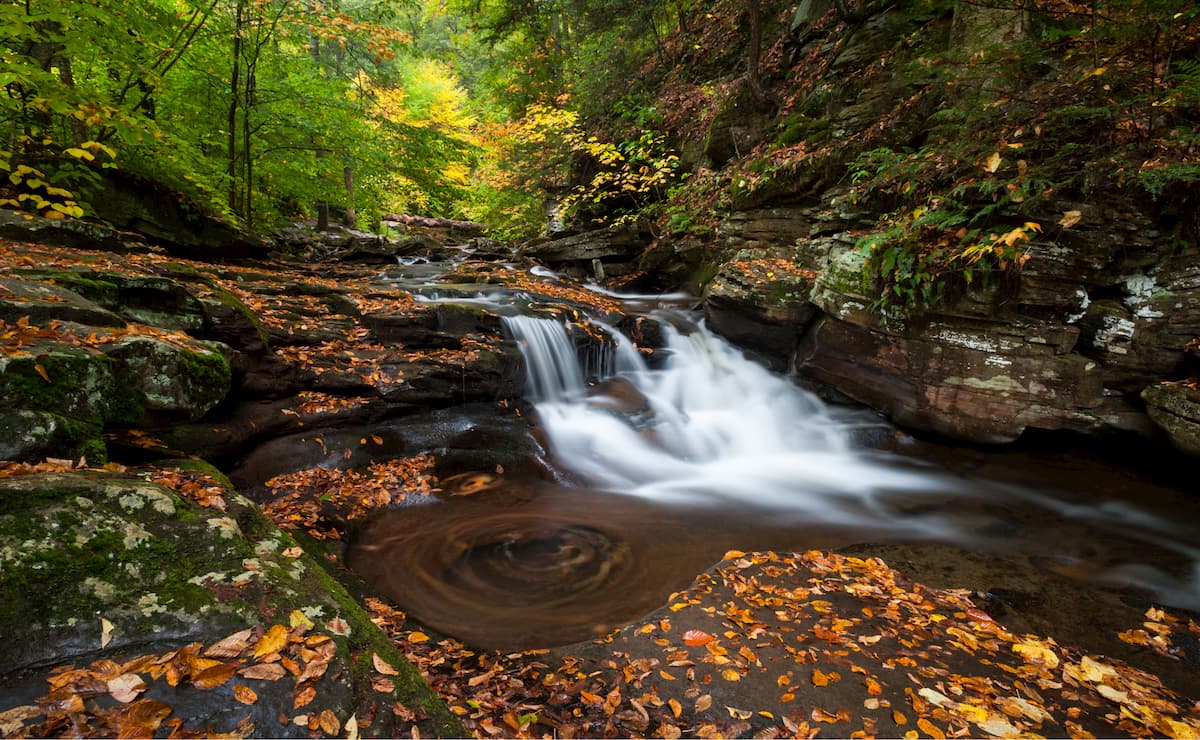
(931, 729)
(676, 707)
(418, 637)
(820, 715)
(272, 642)
(42, 372)
(126, 687)
(697, 637)
(244, 694)
(211, 678)
(898, 717)
(383, 666)
(304, 697)
(263, 672)
(873, 687)
(329, 723)
(819, 678)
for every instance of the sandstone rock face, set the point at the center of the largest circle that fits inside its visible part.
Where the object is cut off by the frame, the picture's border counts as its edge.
(1175, 407)
(1098, 316)
(616, 243)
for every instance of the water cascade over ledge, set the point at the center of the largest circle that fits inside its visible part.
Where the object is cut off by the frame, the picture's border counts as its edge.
(656, 469)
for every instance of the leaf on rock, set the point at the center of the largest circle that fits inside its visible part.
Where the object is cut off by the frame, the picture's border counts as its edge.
(697, 637)
(273, 641)
(106, 628)
(126, 687)
(211, 678)
(244, 694)
(383, 666)
(230, 647)
(263, 672)
(304, 697)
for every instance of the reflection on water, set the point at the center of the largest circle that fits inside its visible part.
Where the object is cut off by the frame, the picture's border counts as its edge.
(657, 472)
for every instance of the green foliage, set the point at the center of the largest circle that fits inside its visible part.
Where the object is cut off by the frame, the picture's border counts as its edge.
(926, 256)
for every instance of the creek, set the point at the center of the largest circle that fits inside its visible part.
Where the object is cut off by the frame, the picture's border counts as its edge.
(658, 462)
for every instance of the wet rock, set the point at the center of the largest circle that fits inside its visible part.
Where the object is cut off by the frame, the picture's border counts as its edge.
(437, 326)
(81, 384)
(110, 568)
(1175, 408)
(34, 435)
(169, 381)
(58, 232)
(759, 300)
(616, 243)
(43, 303)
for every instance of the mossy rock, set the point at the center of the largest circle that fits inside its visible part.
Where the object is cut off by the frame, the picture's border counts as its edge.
(108, 567)
(63, 380)
(27, 436)
(43, 303)
(145, 299)
(170, 382)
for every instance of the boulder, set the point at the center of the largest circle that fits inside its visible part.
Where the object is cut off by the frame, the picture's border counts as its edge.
(1175, 408)
(58, 232)
(759, 300)
(189, 603)
(617, 243)
(168, 380)
(42, 303)
(34, 435)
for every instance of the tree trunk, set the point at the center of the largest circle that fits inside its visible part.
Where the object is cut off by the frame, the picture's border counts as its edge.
(231, 170)
(348, 177)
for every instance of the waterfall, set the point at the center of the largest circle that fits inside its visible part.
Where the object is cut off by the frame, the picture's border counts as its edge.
(707, 425)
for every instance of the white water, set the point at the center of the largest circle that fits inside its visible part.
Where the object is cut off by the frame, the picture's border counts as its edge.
(710, 428)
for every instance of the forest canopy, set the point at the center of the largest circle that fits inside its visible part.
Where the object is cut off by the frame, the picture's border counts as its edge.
(505, 111)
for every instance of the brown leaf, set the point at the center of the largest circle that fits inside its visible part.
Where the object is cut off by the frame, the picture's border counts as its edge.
(329, 723)
(211, 678)
(231, 647)
(304, 697)
(338, 626)
(141, 718)
(292, 552)
(244, 694)
(126, 687)
(383, 666)
(820, 715)
(382, 684)
(272, 642)
(263, 672)
(704, 702)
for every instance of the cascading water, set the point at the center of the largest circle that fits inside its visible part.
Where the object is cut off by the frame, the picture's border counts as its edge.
(656, 471)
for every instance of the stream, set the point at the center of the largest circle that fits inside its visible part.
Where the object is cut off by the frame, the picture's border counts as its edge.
(657, 463)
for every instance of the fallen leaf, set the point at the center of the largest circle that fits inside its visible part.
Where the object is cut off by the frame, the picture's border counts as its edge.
(329, 723)
(126, 687)
(738, 713)
(42, 372)
(993, 162)
(338, 626)
(142, 718)
(292, 552)
(106, 628)
(676, 707)
(819, 678)
(272, 642)
(304, 697)
(383, 666)
(697, 637)
(1069, 219)
(418, 637)
(704, 702)
(244, 694)
(930, 729)
(299, 619)
(230, 647)
(351, 728)
(263, 672)
(731, 674)
(211, 678)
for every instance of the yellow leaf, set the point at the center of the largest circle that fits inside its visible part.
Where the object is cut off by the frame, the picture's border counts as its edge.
(731, 674)
(297, 619)
(993, 162)
(738, 713)
(676, 707)
(272, 642)
(418, 637)
(351, 727)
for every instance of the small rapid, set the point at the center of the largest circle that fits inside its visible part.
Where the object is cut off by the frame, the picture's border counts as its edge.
(659, 459)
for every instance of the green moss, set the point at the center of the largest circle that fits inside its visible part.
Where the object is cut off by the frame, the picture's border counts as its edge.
(80, 385)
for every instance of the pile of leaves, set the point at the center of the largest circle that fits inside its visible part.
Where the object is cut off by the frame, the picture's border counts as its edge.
(775, 645)
(322, 501)
(126, 698)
